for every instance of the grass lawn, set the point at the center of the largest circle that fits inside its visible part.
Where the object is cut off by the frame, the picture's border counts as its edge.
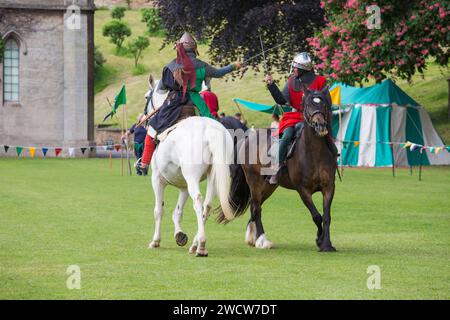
(431, 92)
(55, 213)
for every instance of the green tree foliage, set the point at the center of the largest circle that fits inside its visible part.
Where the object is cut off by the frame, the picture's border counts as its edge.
(117, 31)
(99, 60)
(234, 27)
(152, 19)
(352, 49)
(118, 12)
(136, 46)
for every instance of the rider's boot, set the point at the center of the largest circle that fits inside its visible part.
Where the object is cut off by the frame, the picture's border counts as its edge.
(282, 153)
(274, 178)
(330, 143)
(149, 148)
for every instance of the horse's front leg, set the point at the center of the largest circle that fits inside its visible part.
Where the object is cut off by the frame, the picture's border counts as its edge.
(306, 197)
(328, 195)
(180, 237)
(158, 188)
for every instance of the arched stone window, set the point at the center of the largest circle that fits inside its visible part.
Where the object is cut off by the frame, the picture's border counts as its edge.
(11, 64)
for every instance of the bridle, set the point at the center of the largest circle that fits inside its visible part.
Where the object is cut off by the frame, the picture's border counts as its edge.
(309, 115)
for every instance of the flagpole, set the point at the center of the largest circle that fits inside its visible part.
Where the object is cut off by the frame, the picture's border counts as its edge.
(126, 140)
(240, 111)
(121, 149)
(340, 138)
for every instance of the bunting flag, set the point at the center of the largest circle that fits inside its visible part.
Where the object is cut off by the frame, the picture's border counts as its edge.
(19, 150)
(44, 151)
(121, 99)
(32, 151)
(356, 144)
(92, 149)
(71, 152)
(58, 151)
(83, 150)
(414, 147)
(448, 148)
(117, 147)
(6, 148)
(407, 144)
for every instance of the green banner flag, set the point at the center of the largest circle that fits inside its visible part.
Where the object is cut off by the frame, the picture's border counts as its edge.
(121, 99)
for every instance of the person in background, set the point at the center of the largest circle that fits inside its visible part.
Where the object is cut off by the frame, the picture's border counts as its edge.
(221, 115)
(275, 122)
(139, 138)
(238, 116)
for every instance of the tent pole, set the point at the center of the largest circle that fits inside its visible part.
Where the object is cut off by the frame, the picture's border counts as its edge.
(420, 165)
(393, 160)
(340, 138)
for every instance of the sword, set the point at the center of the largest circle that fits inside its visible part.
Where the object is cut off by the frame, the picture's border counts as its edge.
(262, 51)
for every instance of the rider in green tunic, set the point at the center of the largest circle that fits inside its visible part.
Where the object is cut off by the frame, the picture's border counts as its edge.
(183, 78)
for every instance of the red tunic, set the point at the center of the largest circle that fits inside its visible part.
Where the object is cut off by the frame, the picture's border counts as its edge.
(290, 119)
(211, 101)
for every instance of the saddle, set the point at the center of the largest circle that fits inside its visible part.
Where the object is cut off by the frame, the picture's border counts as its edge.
(187, 111)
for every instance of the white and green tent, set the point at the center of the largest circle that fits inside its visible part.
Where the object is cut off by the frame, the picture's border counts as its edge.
(376, 122)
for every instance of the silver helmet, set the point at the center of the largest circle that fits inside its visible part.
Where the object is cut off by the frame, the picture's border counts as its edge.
(188, 42)
(302, 61)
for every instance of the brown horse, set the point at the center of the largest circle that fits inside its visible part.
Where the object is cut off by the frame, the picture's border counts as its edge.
(311, 168)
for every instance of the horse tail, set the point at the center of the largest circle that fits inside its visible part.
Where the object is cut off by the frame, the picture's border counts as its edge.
(221, 148)
(239, 193)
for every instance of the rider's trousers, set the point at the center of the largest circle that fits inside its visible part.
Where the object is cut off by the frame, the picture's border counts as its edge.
(283, 144)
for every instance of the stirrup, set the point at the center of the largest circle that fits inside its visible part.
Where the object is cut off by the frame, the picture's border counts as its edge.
(141, 167)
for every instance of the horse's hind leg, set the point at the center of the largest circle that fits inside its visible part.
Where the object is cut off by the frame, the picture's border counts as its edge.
(180, 237)
(194, 192)
(158, 188)
(328, 195)
(261, 240)
(317, 218)
(255, 234)
(207, 206)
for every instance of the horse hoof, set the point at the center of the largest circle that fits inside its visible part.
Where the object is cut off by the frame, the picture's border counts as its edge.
(263, 242)
(202, 253)
(193, 249)
(153, 245)
(329, 248)
(318, 242)
(181, 239)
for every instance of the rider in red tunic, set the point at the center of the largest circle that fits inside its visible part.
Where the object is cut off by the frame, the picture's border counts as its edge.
(303, 74)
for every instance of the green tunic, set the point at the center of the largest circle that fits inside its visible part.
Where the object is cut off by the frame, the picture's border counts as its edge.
(195, 95)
